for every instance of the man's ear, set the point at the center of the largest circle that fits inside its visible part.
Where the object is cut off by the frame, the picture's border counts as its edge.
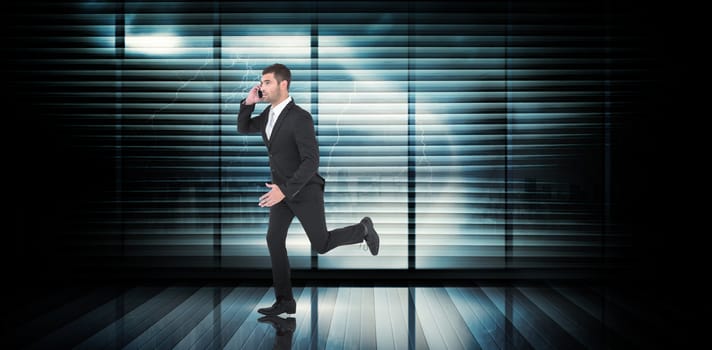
(286, 84)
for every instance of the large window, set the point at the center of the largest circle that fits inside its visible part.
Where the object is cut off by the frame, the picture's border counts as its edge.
(475, 137)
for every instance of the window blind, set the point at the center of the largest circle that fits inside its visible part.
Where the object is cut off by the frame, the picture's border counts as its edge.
(476, 137)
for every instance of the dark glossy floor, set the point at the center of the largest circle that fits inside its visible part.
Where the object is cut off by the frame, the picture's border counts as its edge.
(539, 316)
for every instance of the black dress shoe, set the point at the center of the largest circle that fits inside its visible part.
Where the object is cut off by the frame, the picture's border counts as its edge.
(371, 237)
(279, 307)
(281, 325)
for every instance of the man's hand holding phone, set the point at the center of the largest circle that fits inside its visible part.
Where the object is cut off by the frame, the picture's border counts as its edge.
(254, 96)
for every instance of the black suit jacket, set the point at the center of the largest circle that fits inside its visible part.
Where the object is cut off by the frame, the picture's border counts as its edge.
(293, 150)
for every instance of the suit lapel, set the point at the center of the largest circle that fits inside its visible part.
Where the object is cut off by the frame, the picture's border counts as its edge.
(280, 120)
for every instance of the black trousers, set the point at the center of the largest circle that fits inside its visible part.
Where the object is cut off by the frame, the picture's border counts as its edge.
(308, 207)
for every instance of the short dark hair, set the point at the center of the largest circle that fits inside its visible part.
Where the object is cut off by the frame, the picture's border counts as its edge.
(281, 72)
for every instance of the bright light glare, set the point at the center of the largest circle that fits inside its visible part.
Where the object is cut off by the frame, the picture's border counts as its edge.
(155, 44)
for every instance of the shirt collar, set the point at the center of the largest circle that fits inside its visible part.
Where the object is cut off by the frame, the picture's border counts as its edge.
(278, 109)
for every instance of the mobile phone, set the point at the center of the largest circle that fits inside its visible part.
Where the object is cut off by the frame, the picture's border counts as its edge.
(259, 93)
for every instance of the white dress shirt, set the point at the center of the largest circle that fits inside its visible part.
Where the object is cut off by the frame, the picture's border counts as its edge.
(274, 115)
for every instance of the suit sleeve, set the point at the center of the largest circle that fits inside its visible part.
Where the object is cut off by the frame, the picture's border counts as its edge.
(305, 138)
(245, 123)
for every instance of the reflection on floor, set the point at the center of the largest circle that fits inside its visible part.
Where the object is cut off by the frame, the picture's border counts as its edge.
(447, 317)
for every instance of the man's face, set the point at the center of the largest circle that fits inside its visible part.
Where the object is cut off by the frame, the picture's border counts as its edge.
(270, 89)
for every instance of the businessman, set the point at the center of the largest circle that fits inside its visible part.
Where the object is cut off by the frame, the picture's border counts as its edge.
(296, 188)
